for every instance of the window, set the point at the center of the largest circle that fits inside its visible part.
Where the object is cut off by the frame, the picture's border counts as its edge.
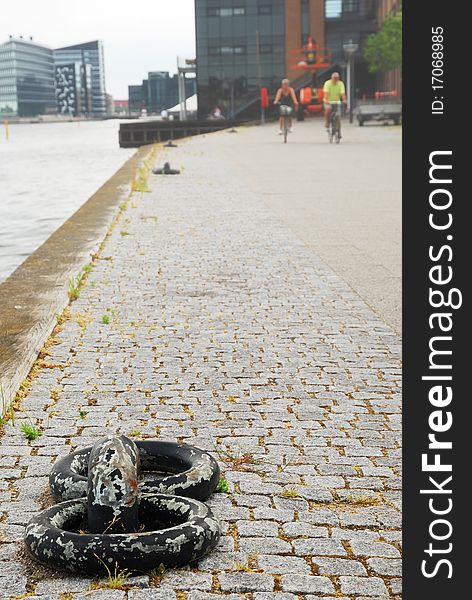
(333, 9)
(226, 50)
(226, 12)
(351, 6)
(266, 49)
(265, 9)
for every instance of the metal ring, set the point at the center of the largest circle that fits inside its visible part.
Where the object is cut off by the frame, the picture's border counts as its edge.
(178, 469)
(178, 531)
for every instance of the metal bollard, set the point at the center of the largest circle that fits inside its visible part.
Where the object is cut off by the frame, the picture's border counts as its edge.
(112, 490)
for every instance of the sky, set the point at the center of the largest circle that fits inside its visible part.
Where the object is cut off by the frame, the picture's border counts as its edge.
(138, 35)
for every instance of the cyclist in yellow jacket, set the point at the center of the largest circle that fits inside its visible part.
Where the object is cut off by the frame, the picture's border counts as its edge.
(334, 93)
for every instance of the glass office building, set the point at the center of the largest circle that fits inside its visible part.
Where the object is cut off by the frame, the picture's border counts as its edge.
(90, 53)
(240, 47)
(26, 79)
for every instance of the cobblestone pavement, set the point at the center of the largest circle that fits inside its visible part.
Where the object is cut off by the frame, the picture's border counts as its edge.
(225, 331)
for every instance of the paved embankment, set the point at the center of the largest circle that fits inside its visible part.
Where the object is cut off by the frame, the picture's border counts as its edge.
(207, 320)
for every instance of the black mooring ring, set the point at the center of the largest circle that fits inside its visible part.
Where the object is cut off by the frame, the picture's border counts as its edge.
(194, 473)
(53, 538)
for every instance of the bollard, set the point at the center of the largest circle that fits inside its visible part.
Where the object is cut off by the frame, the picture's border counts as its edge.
(112, 489)
(6, 129)
(166, 170)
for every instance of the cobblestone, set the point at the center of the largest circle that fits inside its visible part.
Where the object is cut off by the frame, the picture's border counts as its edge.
(306, 584)
(227, 332)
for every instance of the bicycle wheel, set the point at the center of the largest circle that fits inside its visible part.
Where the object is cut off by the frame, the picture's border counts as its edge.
(338, 131)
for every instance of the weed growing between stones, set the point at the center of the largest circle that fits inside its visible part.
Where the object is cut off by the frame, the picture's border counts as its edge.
(106, 319)
(363, 500)
(117, 579)
(134, 433)
(73, 290)
(237, 462)
(290, 493)
(30, 431)
(223, 486)
(156, 575)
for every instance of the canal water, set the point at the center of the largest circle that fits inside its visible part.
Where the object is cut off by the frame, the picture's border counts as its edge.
(47, 171)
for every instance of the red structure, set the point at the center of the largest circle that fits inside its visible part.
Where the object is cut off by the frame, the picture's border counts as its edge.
(311, 57)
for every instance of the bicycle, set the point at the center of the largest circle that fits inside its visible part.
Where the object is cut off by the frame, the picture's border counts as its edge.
(285, 113)
(334, 129)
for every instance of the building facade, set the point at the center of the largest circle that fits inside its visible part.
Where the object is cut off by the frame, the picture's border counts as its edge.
(26, 79)
(74, 89)
(90, 55)
(136, 99)
(243, 45)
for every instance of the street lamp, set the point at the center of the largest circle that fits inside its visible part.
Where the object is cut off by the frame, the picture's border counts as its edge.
(350, 48)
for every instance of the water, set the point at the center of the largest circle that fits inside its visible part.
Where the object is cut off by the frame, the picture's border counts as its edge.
(47, 171)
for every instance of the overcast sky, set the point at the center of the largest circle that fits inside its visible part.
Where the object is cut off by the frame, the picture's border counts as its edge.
(138, 35)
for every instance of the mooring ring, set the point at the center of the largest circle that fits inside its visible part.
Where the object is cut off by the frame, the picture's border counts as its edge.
(176, 531)
(178, 469)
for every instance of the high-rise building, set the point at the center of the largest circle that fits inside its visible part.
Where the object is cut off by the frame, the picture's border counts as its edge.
(89, 53)
(243, 45)
(26, 79)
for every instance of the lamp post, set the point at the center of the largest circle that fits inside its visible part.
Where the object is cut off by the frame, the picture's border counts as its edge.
(350, 48)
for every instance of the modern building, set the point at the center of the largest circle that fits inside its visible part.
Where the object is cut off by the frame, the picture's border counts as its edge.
(26, 79)
(91, 54)
(158, 92)
(243, 45)
(137, 99)
(74, 89)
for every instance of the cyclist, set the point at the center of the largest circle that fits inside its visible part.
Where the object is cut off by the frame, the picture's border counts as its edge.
(286, 97)
(334, 93)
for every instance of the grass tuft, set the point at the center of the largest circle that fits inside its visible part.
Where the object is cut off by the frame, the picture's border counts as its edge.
(223, 486)
(74, 287)
(117, 578)
(30, 431)
(290, 493)
(156, 575)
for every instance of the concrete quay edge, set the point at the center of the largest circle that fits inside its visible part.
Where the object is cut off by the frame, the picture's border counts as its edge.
(32, 296)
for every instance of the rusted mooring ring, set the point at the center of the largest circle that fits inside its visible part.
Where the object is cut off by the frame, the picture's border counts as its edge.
(176, 531)
(177, 469)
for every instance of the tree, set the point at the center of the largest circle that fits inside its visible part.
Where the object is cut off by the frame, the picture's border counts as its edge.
(383, 50)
